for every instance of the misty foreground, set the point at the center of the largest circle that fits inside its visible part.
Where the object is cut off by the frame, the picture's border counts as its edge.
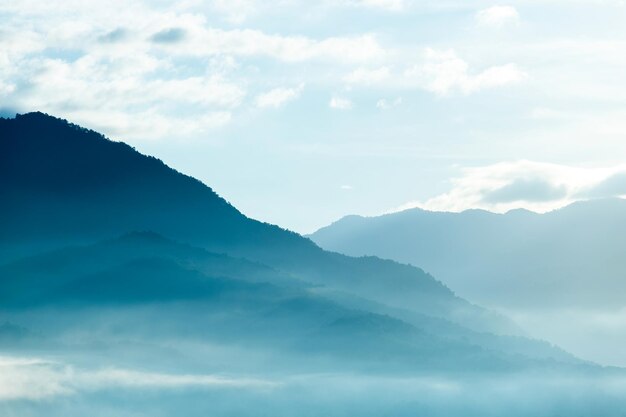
(129, 289)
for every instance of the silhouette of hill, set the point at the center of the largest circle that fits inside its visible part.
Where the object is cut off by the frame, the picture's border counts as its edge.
(62, 184)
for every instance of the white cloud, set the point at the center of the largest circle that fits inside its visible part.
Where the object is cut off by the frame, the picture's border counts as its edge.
(498, 16)
(6, 88)
(248, 42)
(128, 97)
(135, 88)
(384, 104)
(209, 90)
(444, 72)
(278, 96)
(235, 11)
(148, 124)
(340, 103)
(368, 76)
(390, 5)
(535, 186)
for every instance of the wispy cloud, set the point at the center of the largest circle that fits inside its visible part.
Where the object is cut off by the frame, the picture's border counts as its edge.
(340, 103)
(278, 96)
(444, 72)
(386, 104)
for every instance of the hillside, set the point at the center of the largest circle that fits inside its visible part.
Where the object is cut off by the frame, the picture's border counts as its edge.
(125, 285)
(63, 184)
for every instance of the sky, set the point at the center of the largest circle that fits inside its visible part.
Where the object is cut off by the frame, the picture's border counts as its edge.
(301, 112)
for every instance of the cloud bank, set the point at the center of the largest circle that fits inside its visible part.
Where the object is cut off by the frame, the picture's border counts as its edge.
(532, 185)
(153, 71)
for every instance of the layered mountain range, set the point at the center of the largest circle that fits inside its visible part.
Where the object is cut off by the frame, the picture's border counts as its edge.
(110, 257)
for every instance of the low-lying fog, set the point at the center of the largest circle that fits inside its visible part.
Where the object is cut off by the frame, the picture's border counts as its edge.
(39, 385)
(595, 335)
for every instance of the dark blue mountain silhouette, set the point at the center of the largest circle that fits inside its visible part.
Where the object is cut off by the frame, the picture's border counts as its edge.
(62, 184)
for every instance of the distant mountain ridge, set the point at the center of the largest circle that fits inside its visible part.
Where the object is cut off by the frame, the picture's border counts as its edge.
(573, 256)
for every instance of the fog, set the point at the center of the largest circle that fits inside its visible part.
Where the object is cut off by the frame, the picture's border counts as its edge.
(36, 385)
(593, 334)
(160, 359)
(559, 275)
(31, 378)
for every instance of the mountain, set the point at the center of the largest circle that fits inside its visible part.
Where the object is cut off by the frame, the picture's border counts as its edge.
(128, 288)
(62, 184)
(568, 258)
(145, 268)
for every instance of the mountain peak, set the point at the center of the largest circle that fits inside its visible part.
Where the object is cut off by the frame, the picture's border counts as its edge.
(85, 181)
(39, 120)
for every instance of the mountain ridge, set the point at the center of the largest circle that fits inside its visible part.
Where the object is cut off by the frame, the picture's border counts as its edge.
(514, 248)
(62, 182)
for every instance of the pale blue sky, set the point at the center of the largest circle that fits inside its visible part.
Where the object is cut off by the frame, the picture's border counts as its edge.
(301, 112)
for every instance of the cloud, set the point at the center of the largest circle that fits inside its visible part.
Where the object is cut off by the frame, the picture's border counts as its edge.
(349, 49)
(339, 103)
(384, 104)
(115, 78)
(236, 11)
(116, 35)
(119, 96)
(498, 16)
(389, 5)
(444, 72)
(278, 96)
(150, 66)
(6, 88)
(150, 124)
(535, 186)
(614, 185)
(172, 35)
(526, 190)
(35, 379)
(368, 76)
